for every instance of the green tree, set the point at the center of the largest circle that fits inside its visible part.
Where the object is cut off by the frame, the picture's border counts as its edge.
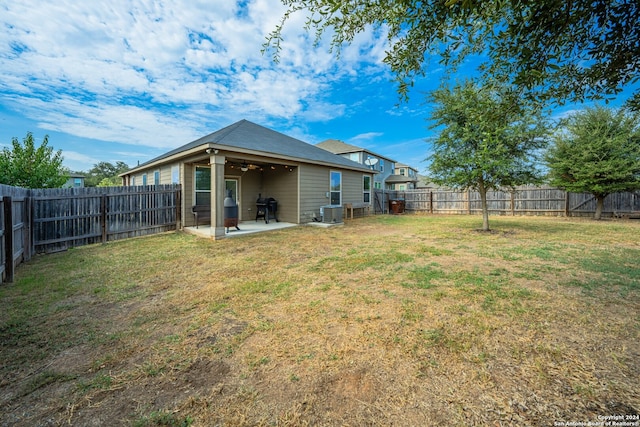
(562, 50)
(596, 151)
(105, 174)
(28, 166)
(110, 182)
(489, 138)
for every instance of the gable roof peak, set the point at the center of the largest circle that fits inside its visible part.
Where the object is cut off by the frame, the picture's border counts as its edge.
(250, 137)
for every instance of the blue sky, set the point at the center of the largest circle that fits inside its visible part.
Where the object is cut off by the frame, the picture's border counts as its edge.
(130, 80)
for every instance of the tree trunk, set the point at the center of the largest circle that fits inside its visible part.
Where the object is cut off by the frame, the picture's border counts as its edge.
(485, 209)
(599, 207)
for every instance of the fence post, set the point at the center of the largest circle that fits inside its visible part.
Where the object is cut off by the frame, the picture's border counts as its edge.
(430, 201)
(8, 238)
(513, 203)
(103, 217)
(178, 209)
(28, 222)
(566, 204)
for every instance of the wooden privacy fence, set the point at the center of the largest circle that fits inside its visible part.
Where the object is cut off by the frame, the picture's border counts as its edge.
(525, 200)
(50, 220)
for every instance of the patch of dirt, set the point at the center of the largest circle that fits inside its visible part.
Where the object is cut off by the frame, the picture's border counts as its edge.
(119, 405)
(204, 374)
(346, 391)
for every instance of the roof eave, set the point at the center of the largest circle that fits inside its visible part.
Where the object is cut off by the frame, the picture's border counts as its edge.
(230, 149)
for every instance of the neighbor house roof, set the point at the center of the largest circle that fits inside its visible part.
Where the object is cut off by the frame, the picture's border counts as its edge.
(339, 147)
(399, 179)
(402, 165)
(249, 137)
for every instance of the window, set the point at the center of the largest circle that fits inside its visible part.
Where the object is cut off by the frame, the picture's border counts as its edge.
(366, 188)
(133, 180)
(203, 185)
(156, 177)
(377, 185)
(402, 171)
(335, 188)
(381, 165)
(354, 157)
(144, 179)
(175, 174)
(77, 182)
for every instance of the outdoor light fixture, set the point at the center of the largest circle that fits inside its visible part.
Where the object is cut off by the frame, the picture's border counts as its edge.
(211, 150)
(244, 167)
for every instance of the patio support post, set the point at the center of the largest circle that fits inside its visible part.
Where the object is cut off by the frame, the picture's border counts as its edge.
(217, 197)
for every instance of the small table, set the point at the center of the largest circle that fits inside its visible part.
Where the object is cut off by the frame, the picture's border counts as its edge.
(349, 207)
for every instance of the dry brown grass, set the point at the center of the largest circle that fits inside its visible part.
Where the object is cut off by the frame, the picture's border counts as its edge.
(386, 321)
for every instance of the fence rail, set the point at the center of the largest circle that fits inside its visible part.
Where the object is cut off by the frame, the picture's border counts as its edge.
(50, 220)
(525, 200)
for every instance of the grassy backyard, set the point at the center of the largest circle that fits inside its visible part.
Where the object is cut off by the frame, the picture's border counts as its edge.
(389, 320)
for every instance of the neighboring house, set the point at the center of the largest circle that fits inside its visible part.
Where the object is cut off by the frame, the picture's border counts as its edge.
(404, 178)
(253, 161)
(425, 182)
(383, 165)
(74, 181)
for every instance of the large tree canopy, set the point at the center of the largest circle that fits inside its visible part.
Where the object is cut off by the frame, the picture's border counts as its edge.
(105, 174)
(489, 138)
(28, 166)
(597, 151)
(560, 50)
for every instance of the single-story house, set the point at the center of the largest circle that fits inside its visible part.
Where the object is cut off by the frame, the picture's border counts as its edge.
(256, 162)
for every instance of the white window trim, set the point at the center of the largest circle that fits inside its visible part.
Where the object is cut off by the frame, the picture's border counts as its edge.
(364, 178)
(331, 172)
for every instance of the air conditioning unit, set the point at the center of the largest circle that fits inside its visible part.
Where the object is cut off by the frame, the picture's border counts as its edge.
(331, 214)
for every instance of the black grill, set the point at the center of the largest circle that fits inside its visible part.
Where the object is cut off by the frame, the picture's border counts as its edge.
(266, 209)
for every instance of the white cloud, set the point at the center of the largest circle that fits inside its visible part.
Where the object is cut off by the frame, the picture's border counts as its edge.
(160, 74)
(365, 137)
(73, 157)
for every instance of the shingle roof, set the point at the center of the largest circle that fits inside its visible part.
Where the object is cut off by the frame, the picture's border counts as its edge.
(338, 147)
(399, 179)
(250, 136)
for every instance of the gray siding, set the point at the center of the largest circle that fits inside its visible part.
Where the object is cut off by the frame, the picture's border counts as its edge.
(352, 187)
(314, 185)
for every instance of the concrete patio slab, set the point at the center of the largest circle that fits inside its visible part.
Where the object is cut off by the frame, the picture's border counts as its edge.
(246, 227)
